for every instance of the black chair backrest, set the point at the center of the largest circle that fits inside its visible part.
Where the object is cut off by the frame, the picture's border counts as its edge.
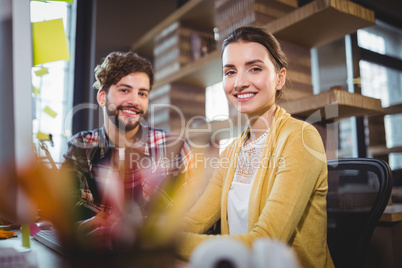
(358, 192)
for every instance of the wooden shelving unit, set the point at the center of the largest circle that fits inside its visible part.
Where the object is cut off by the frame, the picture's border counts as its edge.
(314, 24)
(311, 25)
(321, 22)
(196, 11)
(383, 150)
(327, 106)
(202, 73)
(333, 104)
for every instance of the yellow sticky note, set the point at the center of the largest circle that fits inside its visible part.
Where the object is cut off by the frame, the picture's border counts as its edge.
(36, 90)
(42, 71)
(50, 112)
(68, 1)
(42, 136)
(49, 41)
(26, 242)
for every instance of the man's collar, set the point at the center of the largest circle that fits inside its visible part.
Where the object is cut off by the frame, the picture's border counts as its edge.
(141, 140)
(140, 145)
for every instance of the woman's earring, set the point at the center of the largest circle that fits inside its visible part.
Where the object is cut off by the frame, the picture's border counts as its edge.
(102, 103)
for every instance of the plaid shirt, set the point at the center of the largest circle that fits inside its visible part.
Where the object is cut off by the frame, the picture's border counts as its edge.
(99, 167)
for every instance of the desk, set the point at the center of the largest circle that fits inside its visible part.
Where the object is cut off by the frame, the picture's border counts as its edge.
(45, 257)
(396, 195)
(386, 243)
(392, 213)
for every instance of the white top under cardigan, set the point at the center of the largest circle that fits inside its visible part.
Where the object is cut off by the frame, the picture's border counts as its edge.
(239, 194)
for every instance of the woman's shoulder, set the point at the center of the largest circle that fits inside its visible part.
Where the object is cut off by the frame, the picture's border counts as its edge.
(295, 126)
(299, 132)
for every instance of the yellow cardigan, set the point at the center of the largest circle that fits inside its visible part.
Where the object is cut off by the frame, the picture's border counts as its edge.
(288, 196)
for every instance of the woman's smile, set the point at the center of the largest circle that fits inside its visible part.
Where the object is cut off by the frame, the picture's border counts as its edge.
(245, 96)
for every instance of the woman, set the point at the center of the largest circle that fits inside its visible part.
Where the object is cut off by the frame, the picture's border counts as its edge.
(275, 182)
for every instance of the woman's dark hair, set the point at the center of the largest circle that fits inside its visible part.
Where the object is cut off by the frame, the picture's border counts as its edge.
(262, 36)
(116, 65)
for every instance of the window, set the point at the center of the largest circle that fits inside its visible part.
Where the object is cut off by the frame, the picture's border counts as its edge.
(53, 82)
(217, 108)
(395, 160)
(216, 104)
(371, 41)
(381, 38)
(346, 138)
(380, 67)
(381, 80)
(393, 127)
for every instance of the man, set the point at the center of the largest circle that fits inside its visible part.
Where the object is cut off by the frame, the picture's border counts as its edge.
(125, 163)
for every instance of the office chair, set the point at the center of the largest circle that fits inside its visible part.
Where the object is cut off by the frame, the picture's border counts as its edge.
(358, 192)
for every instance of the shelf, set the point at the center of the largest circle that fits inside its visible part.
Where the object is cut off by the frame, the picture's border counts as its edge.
(393, 109)
(321, 22)
(202, 73)
(196, 11)
(333, 104)
(383, 150)
(392, 213)
(316, 23)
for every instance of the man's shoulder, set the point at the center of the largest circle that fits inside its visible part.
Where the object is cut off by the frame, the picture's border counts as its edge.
(87, 137)
(158, 133)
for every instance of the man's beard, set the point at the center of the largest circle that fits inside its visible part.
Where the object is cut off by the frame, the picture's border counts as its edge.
(128, 124)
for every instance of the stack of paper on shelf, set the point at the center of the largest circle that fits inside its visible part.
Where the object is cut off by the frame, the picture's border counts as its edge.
(174, 106)
(231, 14)
(179, 44)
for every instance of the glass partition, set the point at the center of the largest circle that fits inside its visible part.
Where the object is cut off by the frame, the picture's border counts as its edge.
(52, 80)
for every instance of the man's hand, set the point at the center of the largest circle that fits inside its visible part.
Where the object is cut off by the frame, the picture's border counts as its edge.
(96, 233)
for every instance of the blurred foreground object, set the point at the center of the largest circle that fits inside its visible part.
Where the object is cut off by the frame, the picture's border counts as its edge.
(221, 252)
(50, 190)
(229, 253)
(8, 194)
(136, 239)
(6, 234)
(273, 253)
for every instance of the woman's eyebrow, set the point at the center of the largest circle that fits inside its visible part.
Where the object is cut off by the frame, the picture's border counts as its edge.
(228, 66)
(251, 62)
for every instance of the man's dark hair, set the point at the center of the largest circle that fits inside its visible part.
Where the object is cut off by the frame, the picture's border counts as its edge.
(116, 65)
